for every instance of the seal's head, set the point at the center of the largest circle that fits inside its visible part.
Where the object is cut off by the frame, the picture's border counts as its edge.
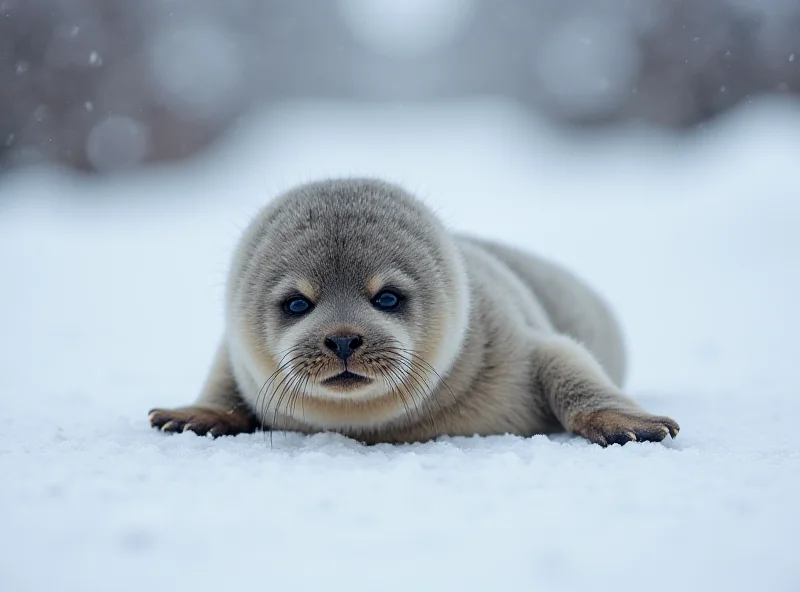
(350, 302)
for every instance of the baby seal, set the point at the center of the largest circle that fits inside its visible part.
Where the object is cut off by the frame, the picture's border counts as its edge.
(350, 308)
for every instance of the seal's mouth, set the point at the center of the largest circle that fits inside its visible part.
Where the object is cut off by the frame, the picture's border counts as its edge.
(346, 380)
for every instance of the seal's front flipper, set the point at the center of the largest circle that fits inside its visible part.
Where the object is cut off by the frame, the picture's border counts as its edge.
(586, 402)
(612, 426)
(204, 420)
(219, 410)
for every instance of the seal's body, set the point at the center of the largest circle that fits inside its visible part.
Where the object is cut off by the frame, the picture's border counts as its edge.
(350, 308)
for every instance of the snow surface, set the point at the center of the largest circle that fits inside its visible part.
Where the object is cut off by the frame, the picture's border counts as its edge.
(111, 304)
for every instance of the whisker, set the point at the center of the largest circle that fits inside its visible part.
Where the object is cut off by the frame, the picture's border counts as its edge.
(416, 359)
(276, 388)
(291, 402)
(417, 388)
(414, 382)
(312, 380)
(281, 381)
(279, 387)
(392, 389)
(262, 409)
(289, 383)
(396, 384)
(400, 382)
(420, 370)
(281, 366)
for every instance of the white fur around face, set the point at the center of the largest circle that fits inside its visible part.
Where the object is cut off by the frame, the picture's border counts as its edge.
(456, 328)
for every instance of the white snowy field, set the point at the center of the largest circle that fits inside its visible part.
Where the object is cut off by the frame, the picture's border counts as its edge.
(111, 304)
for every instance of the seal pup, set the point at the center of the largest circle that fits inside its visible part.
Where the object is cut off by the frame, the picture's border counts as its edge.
(350, 308)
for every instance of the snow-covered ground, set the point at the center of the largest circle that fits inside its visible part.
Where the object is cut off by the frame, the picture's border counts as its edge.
(111, 304)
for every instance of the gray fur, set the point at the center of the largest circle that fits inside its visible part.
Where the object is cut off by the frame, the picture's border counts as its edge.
(490, 340)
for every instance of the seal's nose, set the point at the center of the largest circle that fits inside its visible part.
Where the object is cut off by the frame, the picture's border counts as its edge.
(343, 345)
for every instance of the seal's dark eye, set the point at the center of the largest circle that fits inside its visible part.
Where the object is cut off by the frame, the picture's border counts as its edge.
(296, 306)
(386, 301)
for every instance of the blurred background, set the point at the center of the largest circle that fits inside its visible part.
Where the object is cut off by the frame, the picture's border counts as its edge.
(103, 86)
(650, 146)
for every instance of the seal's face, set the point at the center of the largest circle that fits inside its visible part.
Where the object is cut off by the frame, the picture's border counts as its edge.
(356, 303)
(349, 338)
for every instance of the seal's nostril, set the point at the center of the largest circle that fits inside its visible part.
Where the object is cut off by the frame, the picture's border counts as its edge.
(343, 345)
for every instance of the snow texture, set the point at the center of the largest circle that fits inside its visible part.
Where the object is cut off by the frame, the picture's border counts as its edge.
(111, 304)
